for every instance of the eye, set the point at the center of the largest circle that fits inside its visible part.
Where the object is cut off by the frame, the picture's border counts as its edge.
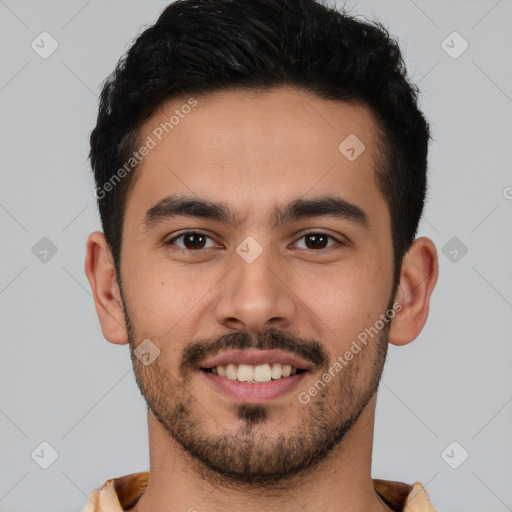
(192, 240)
(316, 240)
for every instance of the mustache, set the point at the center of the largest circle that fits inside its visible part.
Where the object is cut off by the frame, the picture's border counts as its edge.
(272, 339)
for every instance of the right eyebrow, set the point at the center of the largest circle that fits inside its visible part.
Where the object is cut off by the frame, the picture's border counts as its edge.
(182, 206)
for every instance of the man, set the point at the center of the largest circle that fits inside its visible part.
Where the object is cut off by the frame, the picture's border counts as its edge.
(260, 172)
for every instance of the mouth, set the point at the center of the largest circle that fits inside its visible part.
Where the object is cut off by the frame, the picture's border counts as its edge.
(254, 376)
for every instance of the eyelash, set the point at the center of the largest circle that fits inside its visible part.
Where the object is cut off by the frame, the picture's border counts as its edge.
(198, 251)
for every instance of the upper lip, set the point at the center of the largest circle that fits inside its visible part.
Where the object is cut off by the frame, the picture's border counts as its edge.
(256, 357)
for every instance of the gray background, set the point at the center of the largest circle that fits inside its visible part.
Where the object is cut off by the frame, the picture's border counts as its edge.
(63, 384)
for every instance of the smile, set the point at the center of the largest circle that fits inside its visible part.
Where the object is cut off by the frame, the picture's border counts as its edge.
(254, 374)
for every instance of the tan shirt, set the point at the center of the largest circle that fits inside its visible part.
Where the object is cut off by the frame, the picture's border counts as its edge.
(122, 493)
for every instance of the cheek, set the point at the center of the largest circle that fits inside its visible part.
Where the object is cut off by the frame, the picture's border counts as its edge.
(346, 300)
(164, 294)
(149, 292)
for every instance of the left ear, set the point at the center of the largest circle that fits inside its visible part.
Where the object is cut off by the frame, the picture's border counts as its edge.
(417, 280)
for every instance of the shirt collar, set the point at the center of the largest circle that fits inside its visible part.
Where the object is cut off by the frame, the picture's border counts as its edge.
(122, 493)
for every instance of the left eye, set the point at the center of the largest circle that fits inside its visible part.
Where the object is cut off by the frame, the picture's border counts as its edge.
(194, 241)
(318, 238)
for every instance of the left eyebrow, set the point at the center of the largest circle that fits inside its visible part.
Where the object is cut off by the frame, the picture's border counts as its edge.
(330, 206)
(182, 206)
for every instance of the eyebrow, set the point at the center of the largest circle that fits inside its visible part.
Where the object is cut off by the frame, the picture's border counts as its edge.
(172, 206)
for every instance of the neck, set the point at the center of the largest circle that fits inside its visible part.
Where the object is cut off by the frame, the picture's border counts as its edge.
(341, 483)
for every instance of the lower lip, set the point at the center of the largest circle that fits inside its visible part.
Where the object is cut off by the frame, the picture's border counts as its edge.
(255, 393)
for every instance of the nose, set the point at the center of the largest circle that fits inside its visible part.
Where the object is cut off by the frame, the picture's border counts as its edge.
(255, 297)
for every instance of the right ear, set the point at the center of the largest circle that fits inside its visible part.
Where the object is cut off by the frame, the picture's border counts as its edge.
(101, 273)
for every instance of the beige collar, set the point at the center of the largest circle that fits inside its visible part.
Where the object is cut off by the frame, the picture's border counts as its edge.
(122, 493)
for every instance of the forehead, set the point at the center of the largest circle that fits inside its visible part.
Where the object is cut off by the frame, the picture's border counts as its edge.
(256, 149)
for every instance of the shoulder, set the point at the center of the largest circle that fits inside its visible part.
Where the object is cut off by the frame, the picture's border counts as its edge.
(118, 494)
(403, 497)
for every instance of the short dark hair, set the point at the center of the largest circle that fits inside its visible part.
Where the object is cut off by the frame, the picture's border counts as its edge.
(201, 46)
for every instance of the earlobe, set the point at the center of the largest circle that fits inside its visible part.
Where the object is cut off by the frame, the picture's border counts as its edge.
(101, 273)
(417, 281)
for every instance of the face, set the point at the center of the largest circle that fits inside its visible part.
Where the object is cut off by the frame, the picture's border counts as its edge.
(286, 265)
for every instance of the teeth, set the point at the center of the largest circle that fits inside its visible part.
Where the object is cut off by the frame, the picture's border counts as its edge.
(231, 371)
(276, 371)
(260, 373)
(245, 372)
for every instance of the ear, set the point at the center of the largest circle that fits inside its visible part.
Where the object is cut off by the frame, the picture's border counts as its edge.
(101, 273)
(417, 280)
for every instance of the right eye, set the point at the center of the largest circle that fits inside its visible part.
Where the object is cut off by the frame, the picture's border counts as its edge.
(193, 241)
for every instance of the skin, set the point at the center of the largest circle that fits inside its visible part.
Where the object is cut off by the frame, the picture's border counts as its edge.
(254, 151)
